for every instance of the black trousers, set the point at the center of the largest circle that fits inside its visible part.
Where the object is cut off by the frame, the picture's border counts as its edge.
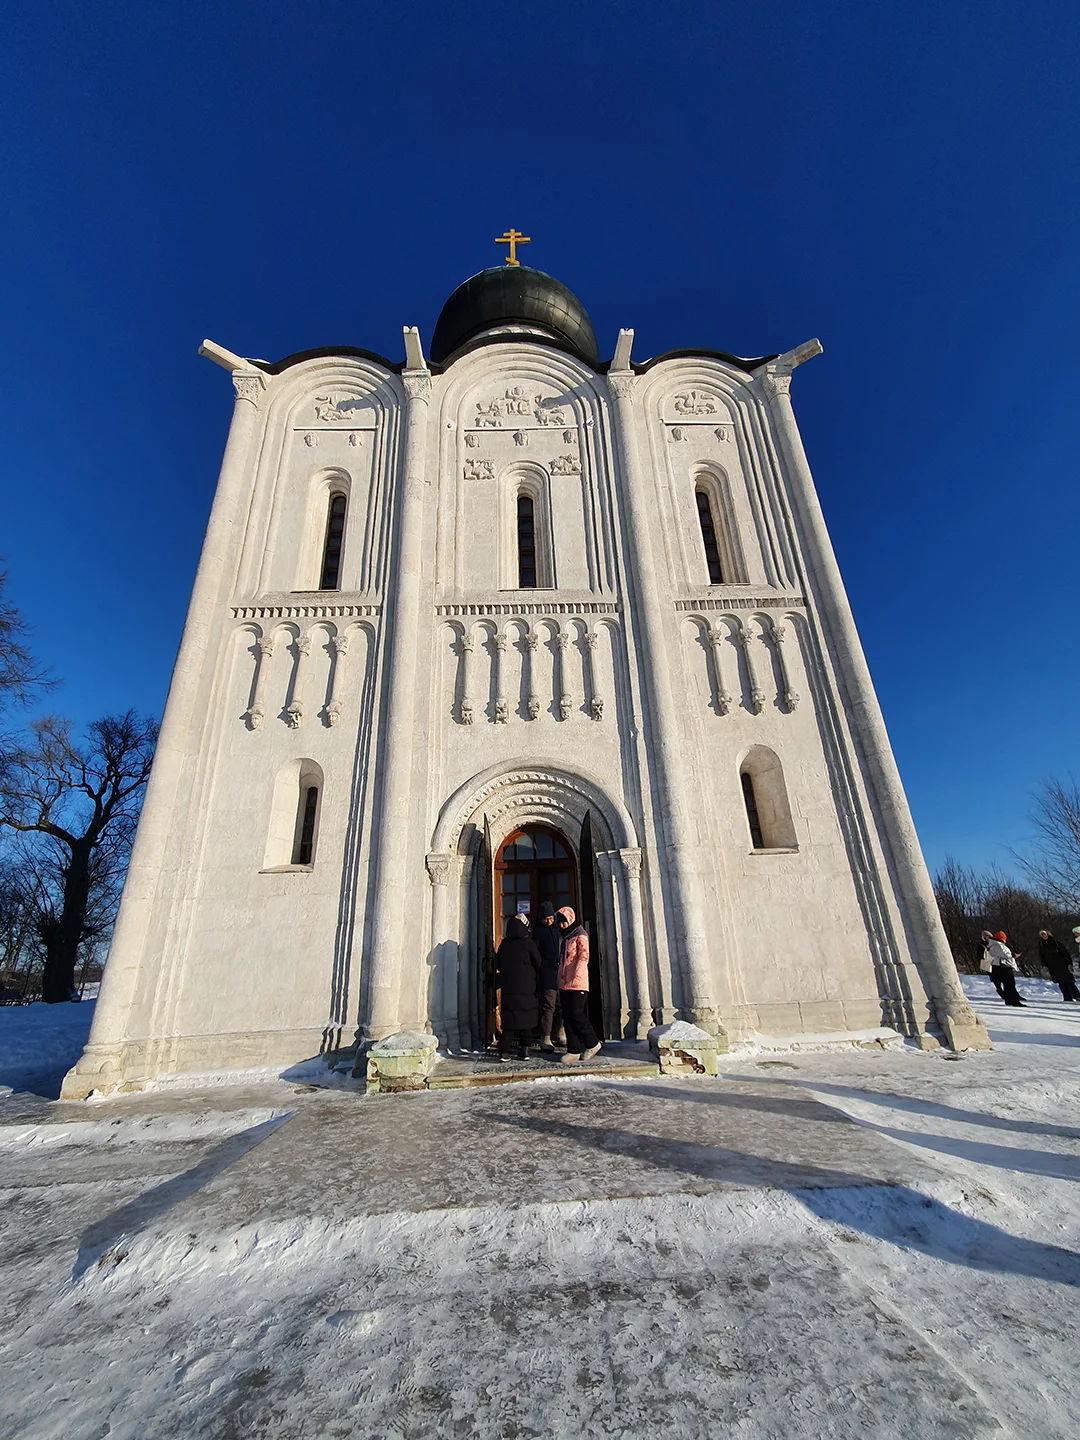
(514, 1040)
(1004, 977)
(1067, 986)
(550, 1013)
(580, 1035)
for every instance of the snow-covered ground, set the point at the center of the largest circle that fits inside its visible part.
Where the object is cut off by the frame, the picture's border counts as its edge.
(867, 1243)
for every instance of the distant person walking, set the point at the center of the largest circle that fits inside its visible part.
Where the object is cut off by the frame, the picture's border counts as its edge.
(1003, 968)
(581, 1039)
(517, 974)
(549, 943)
(1057, 962)
(986, 965)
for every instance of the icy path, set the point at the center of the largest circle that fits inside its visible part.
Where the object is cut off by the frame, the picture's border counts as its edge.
(882, 1244)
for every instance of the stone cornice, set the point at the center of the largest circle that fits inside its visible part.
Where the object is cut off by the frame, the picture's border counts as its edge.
(732, 602)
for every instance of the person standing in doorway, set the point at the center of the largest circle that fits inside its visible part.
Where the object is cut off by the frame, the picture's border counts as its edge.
(1057, 962)
(517, 974)
(1004, 968)
(581, 1039)
(549, 943)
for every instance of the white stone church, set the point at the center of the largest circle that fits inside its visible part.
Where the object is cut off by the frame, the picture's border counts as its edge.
(508, 622)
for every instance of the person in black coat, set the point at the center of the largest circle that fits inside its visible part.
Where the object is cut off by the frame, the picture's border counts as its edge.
(549, 943)
(517, 974)
(1058, 965)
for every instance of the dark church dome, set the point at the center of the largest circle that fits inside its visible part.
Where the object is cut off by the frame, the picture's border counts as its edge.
(513, 296)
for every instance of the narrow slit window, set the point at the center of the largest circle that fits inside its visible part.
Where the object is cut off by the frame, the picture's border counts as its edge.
(708, 535)
(757, 838)
(335, 536)
(305, 840)
(526, 535)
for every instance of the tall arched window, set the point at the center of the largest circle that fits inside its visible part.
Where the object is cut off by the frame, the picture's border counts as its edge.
(304, 841)
(295, 817)
(708, 536)
(768, 812)
(757, 839)
(335, 536)
(526, 542)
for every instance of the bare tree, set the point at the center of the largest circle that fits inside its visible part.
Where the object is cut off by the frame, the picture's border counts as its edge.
(1055, 866)
(20, 677)
(959, 891)
(83, 801)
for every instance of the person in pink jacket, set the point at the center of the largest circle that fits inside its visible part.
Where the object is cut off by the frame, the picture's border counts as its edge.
(581, 1039)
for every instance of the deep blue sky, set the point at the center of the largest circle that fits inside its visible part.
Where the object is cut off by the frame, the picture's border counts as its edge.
(900, 180)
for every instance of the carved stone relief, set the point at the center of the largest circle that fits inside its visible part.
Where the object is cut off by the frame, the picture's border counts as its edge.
(565, 465)
(694, 402)
(479, 469)
(331, 409)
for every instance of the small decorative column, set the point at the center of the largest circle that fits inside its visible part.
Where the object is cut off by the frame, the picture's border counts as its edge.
(596, 700)
(333, 705)
(779, 633)
(498, 659)
(641, 1012)
(566, 703)
(963, 1029)
(444, 951)
(611, 914)
(745, 637)
(532, 641)
(716, 640)
(465, 711)
(257, 712)
(295, 710)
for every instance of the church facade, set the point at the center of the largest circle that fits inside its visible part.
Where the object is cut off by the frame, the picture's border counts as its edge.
(510, 623)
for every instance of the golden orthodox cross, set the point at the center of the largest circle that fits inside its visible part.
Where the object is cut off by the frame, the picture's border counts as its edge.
(513, 238)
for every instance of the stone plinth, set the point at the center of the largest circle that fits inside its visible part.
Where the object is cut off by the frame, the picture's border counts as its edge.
(400, 1062)
(684, 1049)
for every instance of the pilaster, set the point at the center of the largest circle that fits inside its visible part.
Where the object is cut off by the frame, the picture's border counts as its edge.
(674, 828)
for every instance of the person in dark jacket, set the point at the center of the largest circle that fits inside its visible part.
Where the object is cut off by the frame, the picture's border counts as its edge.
(517, 974)
(1057, 962)
(549, 943)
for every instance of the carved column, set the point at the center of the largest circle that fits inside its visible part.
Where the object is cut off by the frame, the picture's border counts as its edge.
(962, 1027)
(596, 700)
(675, 830)
(778, 634)
(716, 642)
(465, 711)
(444, 950)
(498, 659)
(181, 728)
(333, 705)
(295, 710)
(641, 1009)
(745, 637)
(532, 641)
(257, 713)
(394, 893)
(562, 685)
(611, 913)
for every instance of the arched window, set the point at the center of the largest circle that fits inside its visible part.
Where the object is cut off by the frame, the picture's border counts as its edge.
(526, 542)
(765, 798)
(295, 812)
(304, 840)
(335, 536)
(757, 839)
(708, 535)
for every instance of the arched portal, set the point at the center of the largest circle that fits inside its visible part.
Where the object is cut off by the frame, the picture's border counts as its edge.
(467, 865)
